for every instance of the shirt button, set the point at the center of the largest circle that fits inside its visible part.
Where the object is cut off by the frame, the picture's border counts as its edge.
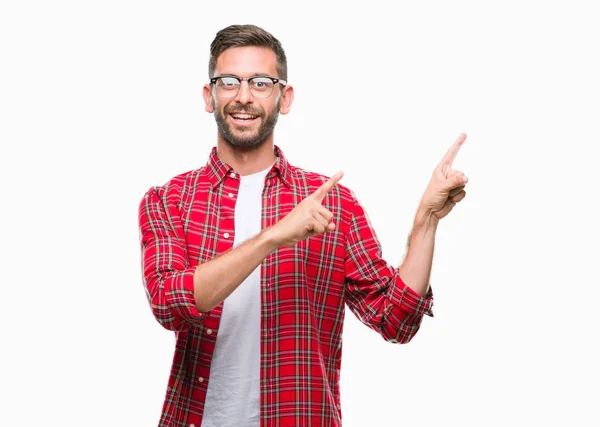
(231, 195)
(209, 331)
(192, 425)
(232, 174)
(226, 235)
(201, 379)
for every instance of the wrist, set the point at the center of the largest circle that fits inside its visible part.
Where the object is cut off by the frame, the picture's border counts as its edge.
(268, 237)
(425, 219)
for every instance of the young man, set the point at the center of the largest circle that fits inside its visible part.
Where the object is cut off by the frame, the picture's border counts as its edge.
(251, 260)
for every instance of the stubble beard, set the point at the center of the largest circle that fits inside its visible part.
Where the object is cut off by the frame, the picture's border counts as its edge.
(249, 140)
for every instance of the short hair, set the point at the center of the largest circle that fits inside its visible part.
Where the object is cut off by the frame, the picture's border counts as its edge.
(246, 35)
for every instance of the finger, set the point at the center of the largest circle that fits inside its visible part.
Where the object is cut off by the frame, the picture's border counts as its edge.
(318, 228)
(458, 180)
(325, 213)
(308, 229)
(318, 218)
(458, 197)
(451, 153)
(456, 191)
(323, 189)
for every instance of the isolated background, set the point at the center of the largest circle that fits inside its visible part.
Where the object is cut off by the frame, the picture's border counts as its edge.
(101, 100)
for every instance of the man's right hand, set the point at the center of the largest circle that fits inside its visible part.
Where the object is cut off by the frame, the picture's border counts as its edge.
(307, 219)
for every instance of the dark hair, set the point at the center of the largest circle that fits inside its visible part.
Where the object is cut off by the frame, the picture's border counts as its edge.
(246, 35)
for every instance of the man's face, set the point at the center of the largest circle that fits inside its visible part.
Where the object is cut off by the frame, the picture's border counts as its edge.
(245, 121)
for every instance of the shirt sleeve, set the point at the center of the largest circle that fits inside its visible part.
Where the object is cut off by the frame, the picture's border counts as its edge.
(375, 291)
(168, 276)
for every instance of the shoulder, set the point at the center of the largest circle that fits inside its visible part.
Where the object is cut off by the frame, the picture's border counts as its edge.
(312, 180)
(174, 189)
(308, 182)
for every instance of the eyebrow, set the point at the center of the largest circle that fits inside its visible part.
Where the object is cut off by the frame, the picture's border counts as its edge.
(252, 75)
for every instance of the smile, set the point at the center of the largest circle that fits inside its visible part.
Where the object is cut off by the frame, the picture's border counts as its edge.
(243, 119)
(243, 116)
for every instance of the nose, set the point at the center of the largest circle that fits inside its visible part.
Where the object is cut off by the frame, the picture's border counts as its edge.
(244, 96)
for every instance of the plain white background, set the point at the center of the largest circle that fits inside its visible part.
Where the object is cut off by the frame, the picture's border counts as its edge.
(101, 100)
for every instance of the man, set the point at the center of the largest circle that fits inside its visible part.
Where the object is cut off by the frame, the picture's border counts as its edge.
(251, 260)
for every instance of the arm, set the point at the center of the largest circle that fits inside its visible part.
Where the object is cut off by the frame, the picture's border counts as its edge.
(181, 295)
(416, 268)
(444, 191)
(168, 276)
(375, 292)
(216, 279)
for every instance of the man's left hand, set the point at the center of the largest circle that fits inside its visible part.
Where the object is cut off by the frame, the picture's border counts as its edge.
(446, 187)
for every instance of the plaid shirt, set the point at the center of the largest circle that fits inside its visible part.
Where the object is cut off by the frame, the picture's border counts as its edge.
(304, 290)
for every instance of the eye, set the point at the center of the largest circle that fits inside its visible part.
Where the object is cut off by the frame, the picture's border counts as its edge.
(262, 83)
(228, 82)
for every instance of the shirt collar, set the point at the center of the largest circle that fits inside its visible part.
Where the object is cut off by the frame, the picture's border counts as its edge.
(216, 169)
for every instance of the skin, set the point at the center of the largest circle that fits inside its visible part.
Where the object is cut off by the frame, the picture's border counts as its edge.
(232, 145)
(249, 148)
(444, 190)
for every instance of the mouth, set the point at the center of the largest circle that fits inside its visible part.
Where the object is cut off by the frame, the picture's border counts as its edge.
(243, 119)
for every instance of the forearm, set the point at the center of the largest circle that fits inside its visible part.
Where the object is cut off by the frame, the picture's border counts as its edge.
(216, 279)
(416, 268)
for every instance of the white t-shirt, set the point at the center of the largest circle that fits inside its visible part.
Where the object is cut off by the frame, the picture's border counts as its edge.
(233, 394)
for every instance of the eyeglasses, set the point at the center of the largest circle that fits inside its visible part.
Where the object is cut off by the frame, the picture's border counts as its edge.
(260, 86)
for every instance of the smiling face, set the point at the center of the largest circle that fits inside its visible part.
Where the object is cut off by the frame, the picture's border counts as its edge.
(246, 122)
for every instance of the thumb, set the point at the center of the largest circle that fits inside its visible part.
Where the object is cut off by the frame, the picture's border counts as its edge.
(320, 193)
(456, 181)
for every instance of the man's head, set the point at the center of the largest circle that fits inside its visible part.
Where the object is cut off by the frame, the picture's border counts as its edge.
(246, 111)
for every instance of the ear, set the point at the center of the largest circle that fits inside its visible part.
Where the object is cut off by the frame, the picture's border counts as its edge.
(287, 98)
(208, 101)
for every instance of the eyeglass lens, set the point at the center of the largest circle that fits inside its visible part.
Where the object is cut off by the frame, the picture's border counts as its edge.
(228, 87)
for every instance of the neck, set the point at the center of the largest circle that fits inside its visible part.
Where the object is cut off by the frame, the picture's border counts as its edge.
(247, 162)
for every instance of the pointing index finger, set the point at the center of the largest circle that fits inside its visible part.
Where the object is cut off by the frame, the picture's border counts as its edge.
(323, 189)
(451, 154)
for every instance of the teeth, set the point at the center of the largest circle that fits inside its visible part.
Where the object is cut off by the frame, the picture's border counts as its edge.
(243, 116)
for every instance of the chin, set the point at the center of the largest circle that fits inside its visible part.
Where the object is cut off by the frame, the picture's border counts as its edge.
(249, 144)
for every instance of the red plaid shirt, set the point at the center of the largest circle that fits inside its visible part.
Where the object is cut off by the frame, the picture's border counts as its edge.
(304, 290)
